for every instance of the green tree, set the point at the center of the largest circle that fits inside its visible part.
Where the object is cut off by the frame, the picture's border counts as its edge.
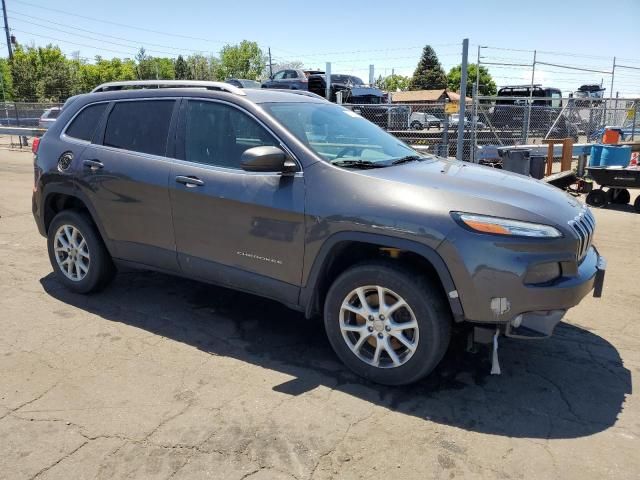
(25, 67)
(429, 74)
(181, 69)
(487, 85)
(6, 82)
(244, 60)
(145, 65)
(198, 68)
(393, 83)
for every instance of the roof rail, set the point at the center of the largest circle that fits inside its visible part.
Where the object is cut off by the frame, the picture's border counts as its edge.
(140, 84)
(298, 92)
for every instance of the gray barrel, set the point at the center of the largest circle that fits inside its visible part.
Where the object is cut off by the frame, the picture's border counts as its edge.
(516, 161)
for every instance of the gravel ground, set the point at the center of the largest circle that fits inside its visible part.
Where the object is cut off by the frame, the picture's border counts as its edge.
(160, 377)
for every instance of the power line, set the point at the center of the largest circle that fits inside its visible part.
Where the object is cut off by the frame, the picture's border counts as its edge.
(13, 12)
(73, 43)
(158, 32)
(92, 38)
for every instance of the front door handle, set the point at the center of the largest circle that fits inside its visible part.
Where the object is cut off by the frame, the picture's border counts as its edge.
(93, 164)
(189, 181)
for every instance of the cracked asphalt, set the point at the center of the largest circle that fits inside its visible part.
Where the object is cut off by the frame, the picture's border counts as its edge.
(161, 377)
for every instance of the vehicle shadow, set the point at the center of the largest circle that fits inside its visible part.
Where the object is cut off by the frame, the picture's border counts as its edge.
(571, 385)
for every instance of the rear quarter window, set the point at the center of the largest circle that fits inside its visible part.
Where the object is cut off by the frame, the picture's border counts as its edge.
(85, 123)
(140, 126)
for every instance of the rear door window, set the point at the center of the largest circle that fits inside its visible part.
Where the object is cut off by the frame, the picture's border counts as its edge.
(84, 125)
(140, 126)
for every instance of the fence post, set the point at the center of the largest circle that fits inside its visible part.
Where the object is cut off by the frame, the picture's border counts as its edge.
(474, 123)
(463, 99)
(327, 74)
(445, 133)
(15, 107)
(615, 110)
(533, 75)
(633, 125)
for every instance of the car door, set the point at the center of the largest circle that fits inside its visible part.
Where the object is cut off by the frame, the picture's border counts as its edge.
(125, 175)
(276, 81)
(241, 229)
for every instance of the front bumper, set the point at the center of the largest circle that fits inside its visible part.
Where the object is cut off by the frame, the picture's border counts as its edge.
(491, 285)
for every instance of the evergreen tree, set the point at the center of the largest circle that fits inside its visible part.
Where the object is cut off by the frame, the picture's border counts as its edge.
(181, 68)
(429, 74)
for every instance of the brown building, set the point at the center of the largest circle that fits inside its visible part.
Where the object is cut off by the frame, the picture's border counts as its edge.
(426, 96)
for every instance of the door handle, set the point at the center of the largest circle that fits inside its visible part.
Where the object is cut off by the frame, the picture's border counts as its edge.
(189, 181)
(93, 164)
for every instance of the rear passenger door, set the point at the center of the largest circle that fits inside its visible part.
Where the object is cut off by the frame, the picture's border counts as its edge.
(125, 174)
(242, 229)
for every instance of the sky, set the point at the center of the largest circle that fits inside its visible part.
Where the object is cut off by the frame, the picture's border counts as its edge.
(353, 35)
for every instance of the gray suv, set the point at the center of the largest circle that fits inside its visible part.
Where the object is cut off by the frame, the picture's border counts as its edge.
(285, 195)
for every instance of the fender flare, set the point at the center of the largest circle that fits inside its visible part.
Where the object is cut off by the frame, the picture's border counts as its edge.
(308, 292)
(73, 191)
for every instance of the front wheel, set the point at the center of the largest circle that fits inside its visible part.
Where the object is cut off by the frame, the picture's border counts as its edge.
(77, 254)
(416, 125)
(387, 323)
(597, 198)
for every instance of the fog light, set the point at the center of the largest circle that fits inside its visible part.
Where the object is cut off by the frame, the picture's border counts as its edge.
(542, 273)
(516, 322)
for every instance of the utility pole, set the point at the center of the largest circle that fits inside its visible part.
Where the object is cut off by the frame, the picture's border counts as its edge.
(6, 29)
(270, 64)
(463, 99)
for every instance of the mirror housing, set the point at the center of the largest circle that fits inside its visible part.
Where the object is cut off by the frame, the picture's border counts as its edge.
(267, 159)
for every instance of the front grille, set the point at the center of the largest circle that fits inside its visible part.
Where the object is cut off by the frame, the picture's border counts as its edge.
(584, 225)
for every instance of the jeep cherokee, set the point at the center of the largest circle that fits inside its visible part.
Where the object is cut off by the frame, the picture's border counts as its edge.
(285, 195)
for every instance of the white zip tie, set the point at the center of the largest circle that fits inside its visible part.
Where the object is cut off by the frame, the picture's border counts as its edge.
(495, 364)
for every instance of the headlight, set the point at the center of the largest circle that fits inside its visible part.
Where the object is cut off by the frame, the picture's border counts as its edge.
(505, 226)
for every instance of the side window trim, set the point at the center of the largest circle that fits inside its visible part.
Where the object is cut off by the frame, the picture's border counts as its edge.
(69, 138)
(181, 126)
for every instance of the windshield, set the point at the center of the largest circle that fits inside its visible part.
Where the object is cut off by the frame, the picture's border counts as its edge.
(338, 134)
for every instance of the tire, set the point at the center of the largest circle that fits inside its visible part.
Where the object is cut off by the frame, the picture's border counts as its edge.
(619, 196)
(91, 265)
(636, 204)
(427, 319)
(597, 198)
(416, 125)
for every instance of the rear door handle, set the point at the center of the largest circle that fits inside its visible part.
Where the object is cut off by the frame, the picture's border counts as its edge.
(189, 181)
(93, 164)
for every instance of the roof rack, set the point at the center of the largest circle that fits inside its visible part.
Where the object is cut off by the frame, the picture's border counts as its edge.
(298, 92)
(522, 86)
(140, 84)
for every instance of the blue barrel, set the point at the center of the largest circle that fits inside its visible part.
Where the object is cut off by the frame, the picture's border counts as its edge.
(615, 155)
(594, 158)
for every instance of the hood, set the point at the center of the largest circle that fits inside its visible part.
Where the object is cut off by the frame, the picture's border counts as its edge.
(462, 186)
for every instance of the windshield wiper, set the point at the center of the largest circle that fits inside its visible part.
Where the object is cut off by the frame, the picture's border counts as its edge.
(408, 158)
(356, 164)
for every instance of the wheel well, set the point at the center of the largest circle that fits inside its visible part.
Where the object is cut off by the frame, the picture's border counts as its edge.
(57, 202)
(346, 254)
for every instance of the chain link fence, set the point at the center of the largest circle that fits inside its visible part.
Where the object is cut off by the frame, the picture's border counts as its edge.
(504, 121)
(21, 114)
(489, 121)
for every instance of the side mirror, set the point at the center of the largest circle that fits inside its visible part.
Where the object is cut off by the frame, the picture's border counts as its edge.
(267, 159)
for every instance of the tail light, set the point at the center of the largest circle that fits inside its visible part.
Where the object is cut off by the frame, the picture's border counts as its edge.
(36, 169)
(35, 144)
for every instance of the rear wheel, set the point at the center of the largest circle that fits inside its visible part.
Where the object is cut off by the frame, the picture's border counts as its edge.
(636, 204)
(386, 323)
(77, 254)
(619, 196)
(597, 198)
(416, 125)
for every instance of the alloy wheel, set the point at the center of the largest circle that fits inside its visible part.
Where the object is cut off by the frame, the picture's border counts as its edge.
(71, 252)
(379, 326)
